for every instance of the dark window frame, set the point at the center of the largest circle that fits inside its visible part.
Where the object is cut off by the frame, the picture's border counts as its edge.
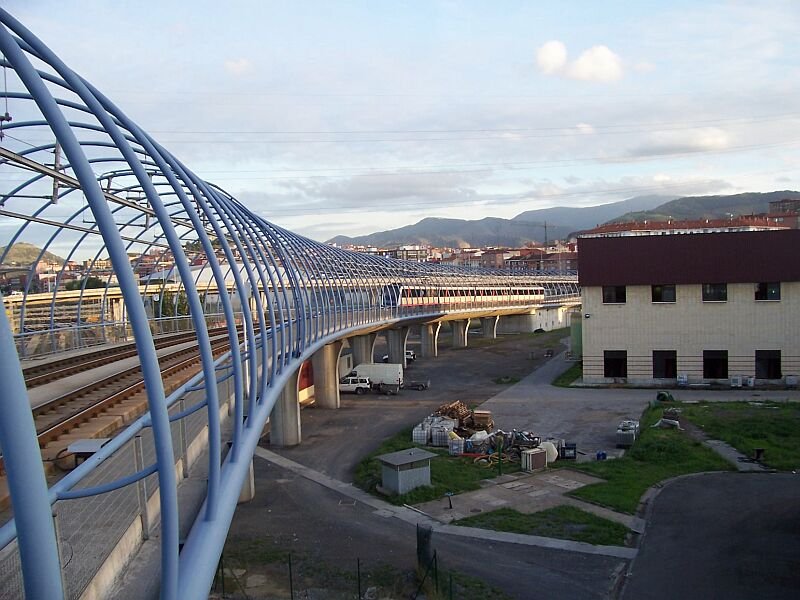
(665, 364)
(768, 291)
(715, 292)
(768, 364)
(615, 363)
(658, 293)
(614, 294)
(713, 365)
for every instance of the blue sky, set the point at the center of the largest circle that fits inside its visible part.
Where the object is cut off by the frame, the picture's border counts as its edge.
(352, 117)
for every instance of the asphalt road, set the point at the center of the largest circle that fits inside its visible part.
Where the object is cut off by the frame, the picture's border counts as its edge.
(730, 536)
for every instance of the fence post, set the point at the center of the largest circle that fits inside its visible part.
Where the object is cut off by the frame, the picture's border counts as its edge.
(57, 530)
(424, 553)
(358, 576)
(436, 571)
(291, 584)
(182, 440)
(141, 486)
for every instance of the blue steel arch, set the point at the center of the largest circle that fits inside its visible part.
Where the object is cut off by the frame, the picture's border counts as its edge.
(171, 238)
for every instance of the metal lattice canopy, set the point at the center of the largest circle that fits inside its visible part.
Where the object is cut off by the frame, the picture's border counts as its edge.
(161, 249)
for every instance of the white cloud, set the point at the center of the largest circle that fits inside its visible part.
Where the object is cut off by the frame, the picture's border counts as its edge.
(238, 66)
(707, 139)
(598, 63)
(551, 57)
(584, 128)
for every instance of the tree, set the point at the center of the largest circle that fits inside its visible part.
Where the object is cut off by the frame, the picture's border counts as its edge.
(169, 306)
(92, 283)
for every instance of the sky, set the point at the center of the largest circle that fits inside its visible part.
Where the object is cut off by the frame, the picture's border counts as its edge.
(333, 118)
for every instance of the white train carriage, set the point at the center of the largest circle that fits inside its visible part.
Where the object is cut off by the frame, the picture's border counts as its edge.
(405, 295)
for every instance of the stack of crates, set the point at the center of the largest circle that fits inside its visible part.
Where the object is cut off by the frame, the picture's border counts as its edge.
(482, 419)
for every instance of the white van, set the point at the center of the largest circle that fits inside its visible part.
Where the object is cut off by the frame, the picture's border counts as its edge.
(411, 356)
(355, 384)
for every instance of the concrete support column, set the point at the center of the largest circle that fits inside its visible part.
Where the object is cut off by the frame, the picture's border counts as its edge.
(397, 345)
(363, 348)
(326, 375)
(460, 333)
(248, 487)
(285, 417)
(430, 339)
(525, 323)
(489, 325)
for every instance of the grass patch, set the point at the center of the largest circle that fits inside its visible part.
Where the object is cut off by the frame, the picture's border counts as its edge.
(310, 572)
(563, 522)
(455, 584)
(505, 380)
(657, 455)
(254, 551)
(773, 426)
(448, 473)
(568, 377)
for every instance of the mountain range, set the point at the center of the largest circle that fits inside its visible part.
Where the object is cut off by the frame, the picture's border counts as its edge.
(562, 222)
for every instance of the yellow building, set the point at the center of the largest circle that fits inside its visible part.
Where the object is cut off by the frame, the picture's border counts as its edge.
(692, 308)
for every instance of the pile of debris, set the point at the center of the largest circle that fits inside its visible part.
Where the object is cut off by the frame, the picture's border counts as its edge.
(468, 421)
(471, 433)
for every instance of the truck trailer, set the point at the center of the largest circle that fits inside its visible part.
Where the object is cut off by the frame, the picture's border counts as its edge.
(385, 377)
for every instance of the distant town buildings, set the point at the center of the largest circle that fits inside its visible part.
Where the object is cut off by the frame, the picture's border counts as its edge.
(556, 256)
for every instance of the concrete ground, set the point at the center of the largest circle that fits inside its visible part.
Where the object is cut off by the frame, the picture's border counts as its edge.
(525, 493)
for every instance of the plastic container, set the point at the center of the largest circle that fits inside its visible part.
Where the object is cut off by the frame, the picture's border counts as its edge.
(569, 451)
(420, 435)
(440, 437)
(456, 447)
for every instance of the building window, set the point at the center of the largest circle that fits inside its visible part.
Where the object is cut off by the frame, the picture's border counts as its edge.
(768, 364)
(715, 292)
(768, 291)
(615, 363)
(663, 293)
(613, 294)
(665, 364)
(715, 364)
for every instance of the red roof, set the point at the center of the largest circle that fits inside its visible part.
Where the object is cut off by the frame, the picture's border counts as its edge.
(740, 221)
(735, 257)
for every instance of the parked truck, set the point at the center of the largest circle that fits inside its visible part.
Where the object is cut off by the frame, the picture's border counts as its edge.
(385, 377)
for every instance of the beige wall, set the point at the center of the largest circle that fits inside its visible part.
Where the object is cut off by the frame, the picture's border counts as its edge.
(741, 326)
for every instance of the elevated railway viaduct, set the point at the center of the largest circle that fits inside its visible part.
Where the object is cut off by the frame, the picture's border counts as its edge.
(174, 252)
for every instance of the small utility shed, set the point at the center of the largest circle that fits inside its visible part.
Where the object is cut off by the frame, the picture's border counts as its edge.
(405, 470)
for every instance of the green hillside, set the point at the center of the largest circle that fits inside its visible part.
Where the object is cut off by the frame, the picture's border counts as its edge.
(23, 253)
(709, 207)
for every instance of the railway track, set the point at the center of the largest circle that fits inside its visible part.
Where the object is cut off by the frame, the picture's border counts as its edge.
(120, 396)
(46, 372)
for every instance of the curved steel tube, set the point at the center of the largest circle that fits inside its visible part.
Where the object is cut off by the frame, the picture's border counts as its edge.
(165, 246)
